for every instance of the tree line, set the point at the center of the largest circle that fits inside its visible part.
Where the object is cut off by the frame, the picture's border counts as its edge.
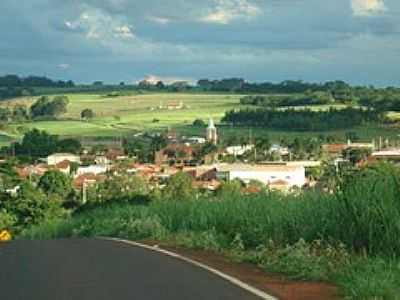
(379, 99)
(302, 120)
(32, 81)
(284, 87)
(38, 144)
(308, 98)
(15, 86)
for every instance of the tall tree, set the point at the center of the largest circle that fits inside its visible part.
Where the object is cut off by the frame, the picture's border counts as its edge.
(55, 182)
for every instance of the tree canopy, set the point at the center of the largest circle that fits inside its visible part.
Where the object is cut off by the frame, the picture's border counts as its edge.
(179, 187)
(36, 144)
(45, 107)
(87, 114)
(55, 182)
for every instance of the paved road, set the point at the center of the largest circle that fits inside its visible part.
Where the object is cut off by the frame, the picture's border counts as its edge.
(96, 269)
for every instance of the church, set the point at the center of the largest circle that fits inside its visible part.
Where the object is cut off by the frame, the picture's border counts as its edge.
(211, 132)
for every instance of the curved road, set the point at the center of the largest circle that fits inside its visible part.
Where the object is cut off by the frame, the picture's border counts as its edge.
(97, 269)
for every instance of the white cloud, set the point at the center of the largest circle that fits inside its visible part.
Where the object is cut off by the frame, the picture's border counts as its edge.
(97, 24)
(225, 11)
(368, 7)
(64, 66)
(123, 32)
(159, 20)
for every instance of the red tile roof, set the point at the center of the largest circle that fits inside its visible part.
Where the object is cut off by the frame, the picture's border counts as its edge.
(63, 165)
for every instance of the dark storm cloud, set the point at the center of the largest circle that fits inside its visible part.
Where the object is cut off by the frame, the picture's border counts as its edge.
(355, 40)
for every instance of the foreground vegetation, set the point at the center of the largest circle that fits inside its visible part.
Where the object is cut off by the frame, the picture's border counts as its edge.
(349, 238)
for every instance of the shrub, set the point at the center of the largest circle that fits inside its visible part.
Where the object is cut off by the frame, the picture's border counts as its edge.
(179, 187)
(199, 123)
(7, 220)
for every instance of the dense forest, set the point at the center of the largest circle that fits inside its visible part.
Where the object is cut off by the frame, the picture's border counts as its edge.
(303, 120)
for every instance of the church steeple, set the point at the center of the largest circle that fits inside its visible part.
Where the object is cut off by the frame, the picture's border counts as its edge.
(211, 133)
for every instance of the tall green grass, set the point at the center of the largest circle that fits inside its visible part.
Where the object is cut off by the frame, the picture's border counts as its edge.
(351, 238)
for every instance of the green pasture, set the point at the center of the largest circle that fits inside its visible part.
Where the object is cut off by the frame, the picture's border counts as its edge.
(141, 112)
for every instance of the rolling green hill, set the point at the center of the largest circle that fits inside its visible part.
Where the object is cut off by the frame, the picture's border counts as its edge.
(141, 111)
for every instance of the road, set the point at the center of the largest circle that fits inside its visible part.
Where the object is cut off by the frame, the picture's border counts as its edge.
(97, 269)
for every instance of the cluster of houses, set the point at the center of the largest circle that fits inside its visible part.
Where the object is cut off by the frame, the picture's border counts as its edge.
(281, 175)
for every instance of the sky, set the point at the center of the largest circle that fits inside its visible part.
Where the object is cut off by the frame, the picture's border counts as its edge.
(260, 40)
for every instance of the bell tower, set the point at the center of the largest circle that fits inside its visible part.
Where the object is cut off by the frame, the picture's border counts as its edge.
(211, 133)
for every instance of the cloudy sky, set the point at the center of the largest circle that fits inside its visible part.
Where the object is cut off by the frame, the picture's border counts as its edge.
(260, 40)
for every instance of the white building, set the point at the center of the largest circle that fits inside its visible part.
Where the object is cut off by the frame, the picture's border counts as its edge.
(196, 140)
(393, 153)
(102, 160)
(285, 177)
(279, 149)
(57, 158)
(238, 150)
(93, 169)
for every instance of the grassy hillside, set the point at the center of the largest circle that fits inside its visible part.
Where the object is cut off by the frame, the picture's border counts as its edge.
(137, 112)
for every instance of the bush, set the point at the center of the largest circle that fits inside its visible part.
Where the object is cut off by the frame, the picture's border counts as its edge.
(87, 114)
(231, 189)
(31, 206)
(55, 182)
(7, 220)
(199, 123)
(179, 187)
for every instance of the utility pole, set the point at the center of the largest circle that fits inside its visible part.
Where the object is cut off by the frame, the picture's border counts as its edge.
(84, 192)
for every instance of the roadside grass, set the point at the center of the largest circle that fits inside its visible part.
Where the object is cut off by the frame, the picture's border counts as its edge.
(350, 239)
(358, 277)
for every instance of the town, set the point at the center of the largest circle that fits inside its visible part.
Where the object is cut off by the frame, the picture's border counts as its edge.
(257, 164)
(200, 150)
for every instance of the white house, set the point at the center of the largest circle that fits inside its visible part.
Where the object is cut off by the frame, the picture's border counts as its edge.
(387, 154)
(102, 160)
(196, 140)
(279, 149)
(57, 158)
(93, 169)
(238, 150)
(282, 176)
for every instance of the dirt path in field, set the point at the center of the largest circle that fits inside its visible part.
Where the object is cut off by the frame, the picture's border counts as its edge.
(272, 284)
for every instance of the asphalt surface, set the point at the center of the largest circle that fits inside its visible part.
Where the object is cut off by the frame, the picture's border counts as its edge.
(97, 269)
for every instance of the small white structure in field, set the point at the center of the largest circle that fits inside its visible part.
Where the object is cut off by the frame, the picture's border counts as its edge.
(280, 176)
(57, 158)
(93, 169)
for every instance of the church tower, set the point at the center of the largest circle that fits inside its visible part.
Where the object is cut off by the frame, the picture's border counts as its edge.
(212, 136)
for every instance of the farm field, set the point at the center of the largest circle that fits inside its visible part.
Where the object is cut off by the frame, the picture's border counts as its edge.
(126, 115)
